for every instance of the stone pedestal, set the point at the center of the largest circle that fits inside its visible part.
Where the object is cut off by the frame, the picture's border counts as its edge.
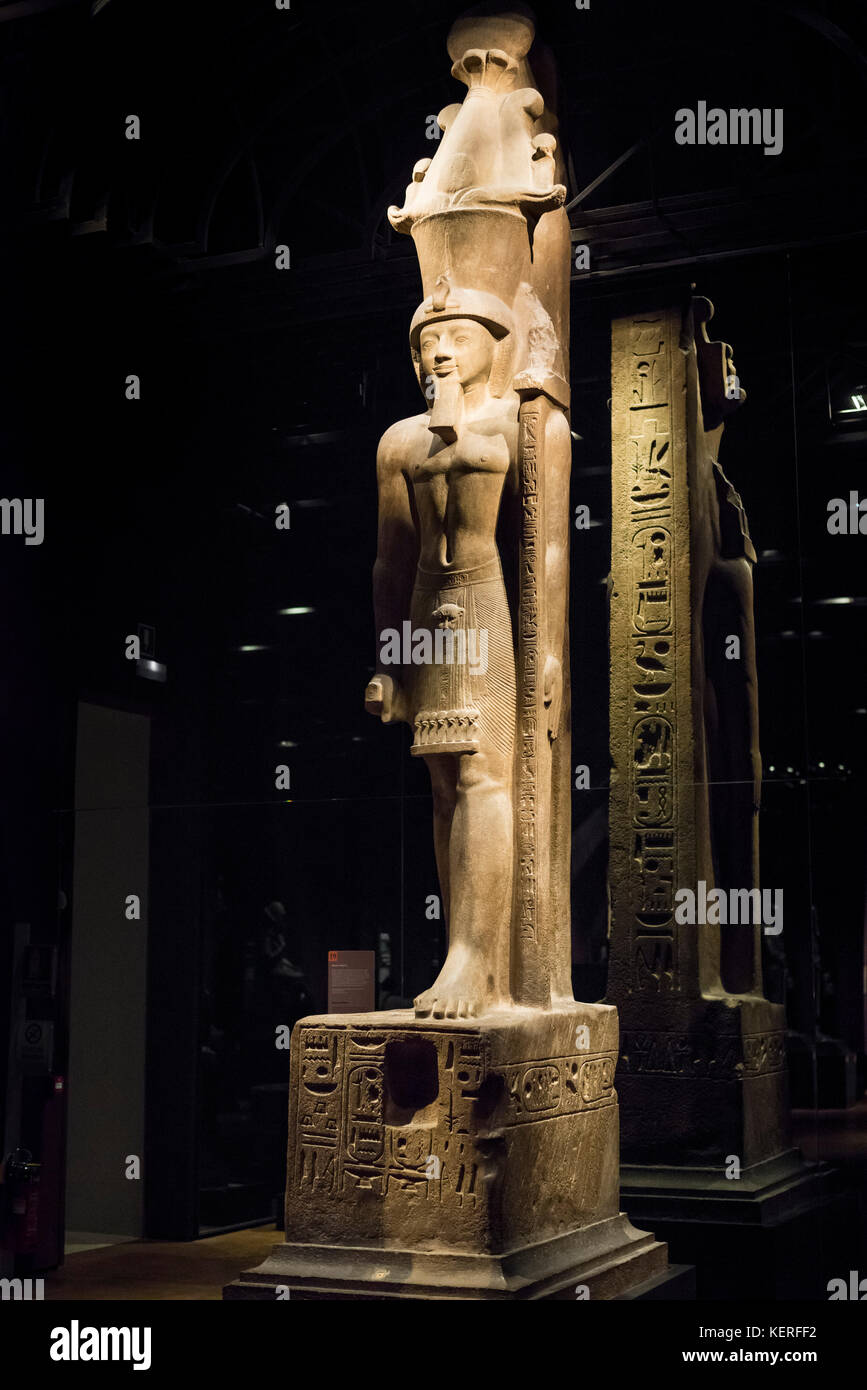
(473, 1159)
(780, 1231)
(703, 1080)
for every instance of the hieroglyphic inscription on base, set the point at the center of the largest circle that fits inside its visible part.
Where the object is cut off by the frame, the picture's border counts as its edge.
(721, 1059)
(764, 1052)
(560, 1087)
(413, 1116)
(651, 658)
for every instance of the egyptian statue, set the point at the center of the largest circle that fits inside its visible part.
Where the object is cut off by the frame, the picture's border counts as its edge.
(415, 1134)
(473, 529)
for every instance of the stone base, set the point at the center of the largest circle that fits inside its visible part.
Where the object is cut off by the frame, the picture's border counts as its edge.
(780, 1231)
(610, 1258)
(700, 1079)
(675, 1285)
(455, 1158)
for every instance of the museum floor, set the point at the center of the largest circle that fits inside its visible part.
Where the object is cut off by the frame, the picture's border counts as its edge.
(157, 1269)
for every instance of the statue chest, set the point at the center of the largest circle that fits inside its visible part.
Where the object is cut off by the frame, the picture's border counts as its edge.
(470, 470)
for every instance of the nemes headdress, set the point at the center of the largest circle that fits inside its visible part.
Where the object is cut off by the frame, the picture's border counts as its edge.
(457, 302)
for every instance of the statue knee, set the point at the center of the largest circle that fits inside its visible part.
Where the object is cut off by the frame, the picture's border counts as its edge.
(477, 774)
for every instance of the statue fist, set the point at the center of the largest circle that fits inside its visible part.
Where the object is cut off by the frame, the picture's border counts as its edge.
(552, 693)
(384, 697)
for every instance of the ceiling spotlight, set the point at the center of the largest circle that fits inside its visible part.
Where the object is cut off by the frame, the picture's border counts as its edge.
(294, 612)
(146, 664)
(150, 669)
(847, 404)
(252, 647)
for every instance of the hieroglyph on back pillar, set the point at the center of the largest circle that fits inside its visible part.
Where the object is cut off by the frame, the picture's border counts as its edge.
(644, 510)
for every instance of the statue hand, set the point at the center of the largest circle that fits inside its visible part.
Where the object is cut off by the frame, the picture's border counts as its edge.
(384, 697)
(552, 693)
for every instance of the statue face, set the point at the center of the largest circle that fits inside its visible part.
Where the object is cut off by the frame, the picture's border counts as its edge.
(457, 347)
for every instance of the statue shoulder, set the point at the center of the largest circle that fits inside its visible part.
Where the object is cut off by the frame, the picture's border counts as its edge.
(398, 440)
(500, 417)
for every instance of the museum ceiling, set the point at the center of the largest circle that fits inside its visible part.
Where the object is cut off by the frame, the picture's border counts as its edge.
(248, 149)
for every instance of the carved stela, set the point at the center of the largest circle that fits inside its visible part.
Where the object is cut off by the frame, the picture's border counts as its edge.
(468, 1147)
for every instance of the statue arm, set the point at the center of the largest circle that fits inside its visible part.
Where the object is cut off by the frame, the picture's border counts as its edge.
(394, 567)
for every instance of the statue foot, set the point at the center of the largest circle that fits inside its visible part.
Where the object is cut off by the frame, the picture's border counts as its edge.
(461, 990)
(430, 1005)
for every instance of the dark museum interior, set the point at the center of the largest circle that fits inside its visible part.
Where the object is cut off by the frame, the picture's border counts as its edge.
(169, 898)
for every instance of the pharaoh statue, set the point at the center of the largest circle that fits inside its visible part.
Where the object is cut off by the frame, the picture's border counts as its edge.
(487, 343)
(686, 770)
(730, 761)
(441, 486)
(702, 1074)
(414, 1133)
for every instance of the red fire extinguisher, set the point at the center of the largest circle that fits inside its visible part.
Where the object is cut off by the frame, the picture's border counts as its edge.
(20, 1225)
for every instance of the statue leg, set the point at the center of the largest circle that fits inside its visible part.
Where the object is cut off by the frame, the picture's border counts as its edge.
(475, 975)
(735, 766)
(443, 771)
